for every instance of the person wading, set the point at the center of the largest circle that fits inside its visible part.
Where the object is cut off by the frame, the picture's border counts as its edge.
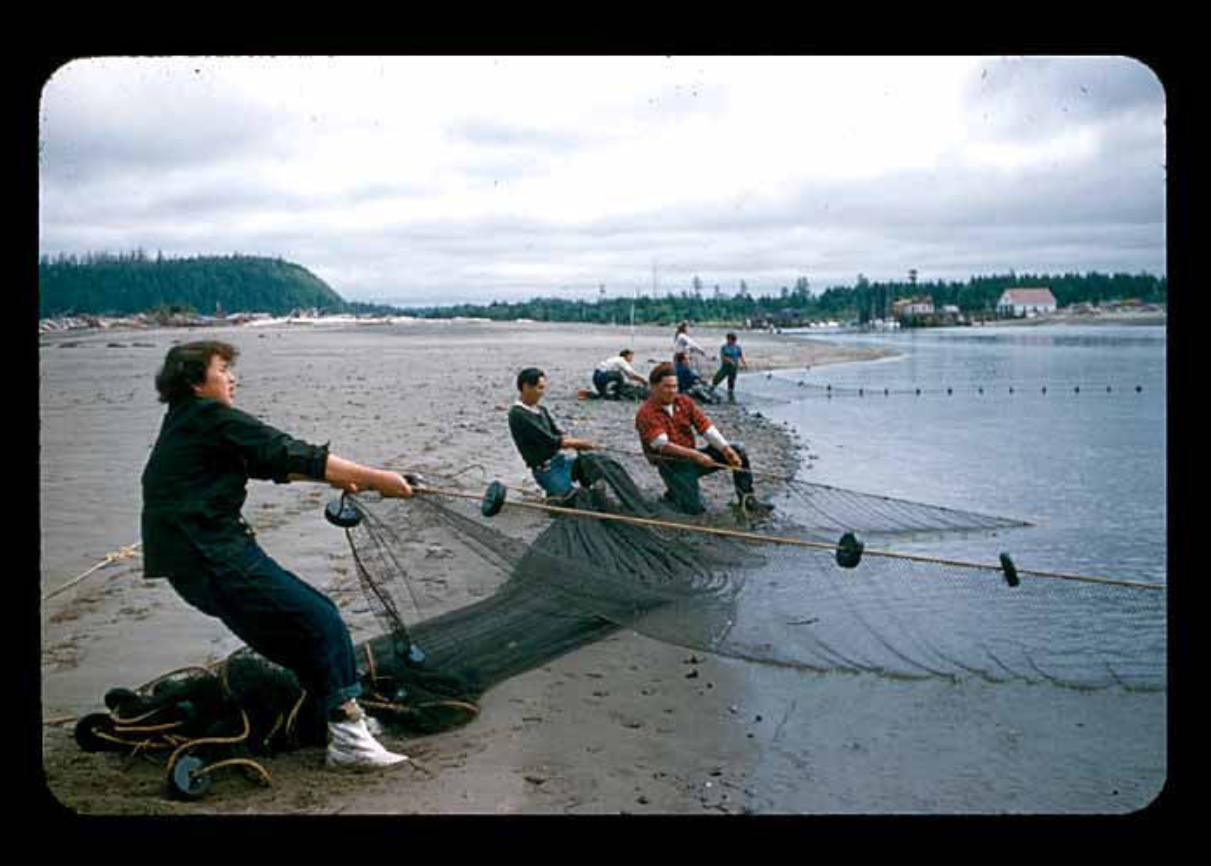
(732, 358)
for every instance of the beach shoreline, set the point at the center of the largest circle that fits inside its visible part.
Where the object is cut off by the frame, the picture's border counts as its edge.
(94, 635)
(628, 725)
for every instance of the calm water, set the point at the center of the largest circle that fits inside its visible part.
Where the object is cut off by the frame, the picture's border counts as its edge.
(1086, 468)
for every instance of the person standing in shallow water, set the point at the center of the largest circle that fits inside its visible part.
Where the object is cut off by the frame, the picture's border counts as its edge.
(732, 358)
(194, 485)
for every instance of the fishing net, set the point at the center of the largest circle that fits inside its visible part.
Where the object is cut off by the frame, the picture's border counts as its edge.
(474, 587)
(763, 591)
(574, 582)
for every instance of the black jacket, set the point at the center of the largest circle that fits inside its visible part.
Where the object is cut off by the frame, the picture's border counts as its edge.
(536, 435)
(194, 483)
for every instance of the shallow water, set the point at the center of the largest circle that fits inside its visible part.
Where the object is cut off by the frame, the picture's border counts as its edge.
(1085, 467)
(890, 650)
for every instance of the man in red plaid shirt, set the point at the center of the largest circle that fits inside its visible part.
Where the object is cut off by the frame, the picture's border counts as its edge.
(667, 422)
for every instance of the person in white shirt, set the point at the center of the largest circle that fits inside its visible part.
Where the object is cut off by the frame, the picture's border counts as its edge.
(682, 343)
(610, 376)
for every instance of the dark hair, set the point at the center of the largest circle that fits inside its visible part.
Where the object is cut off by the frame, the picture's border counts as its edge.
(625, 353)
(660, 371)
(730, 337)
(682, 327)
(185, 366)
(530, 376)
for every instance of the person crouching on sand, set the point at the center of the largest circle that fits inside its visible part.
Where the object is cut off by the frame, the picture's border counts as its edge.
(691, 383)
(667, 422)
(194, 486)
(610, 378)
(539, 439)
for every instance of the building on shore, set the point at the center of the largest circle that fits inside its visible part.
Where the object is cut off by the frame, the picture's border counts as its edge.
(1026, 302)
(903, 308)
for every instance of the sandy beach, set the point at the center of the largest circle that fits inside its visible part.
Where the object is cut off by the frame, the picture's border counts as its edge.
(625, 726)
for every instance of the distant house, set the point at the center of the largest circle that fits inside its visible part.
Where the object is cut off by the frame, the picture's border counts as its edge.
(1026, 302)
(905, 307)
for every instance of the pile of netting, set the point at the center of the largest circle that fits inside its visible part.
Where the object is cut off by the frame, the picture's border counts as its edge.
(204, 719)
(577, 581)
(520, 582)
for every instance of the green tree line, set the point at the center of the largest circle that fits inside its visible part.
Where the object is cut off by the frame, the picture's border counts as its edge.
(123, 284)
(863, 301)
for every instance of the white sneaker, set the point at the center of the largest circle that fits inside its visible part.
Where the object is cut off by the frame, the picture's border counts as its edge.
(374, 726)
(350, 744)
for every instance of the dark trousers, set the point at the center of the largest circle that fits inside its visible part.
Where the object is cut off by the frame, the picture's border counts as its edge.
(283, 618)
(603, 379)
(681, 478)
(727, 371)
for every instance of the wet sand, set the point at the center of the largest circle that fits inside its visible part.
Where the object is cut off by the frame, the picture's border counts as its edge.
(628, 725)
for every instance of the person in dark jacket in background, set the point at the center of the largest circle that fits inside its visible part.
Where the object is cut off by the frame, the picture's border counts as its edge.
(539, 439)
(194, 485)
(691, 383)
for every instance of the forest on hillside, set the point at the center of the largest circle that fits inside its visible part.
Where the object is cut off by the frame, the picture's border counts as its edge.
(124, 284)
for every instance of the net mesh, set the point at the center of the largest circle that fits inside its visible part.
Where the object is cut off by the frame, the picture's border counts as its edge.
(578, 578)
(467, 600)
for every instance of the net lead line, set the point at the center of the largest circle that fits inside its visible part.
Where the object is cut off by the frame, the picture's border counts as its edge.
(497, 491)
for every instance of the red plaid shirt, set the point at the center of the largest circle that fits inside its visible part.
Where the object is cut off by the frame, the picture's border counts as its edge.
(653, 419)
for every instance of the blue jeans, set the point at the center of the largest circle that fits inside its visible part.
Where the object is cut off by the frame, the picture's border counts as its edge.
(556, 479)
(283, 618)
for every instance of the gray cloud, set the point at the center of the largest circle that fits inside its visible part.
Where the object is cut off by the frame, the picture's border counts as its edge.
(100, 122)
(491, 133)
(181, 167)
(1031, 98)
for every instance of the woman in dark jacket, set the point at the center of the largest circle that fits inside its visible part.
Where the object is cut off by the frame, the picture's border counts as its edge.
(194, 536)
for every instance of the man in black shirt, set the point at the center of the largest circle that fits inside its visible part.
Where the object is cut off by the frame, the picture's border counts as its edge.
(539, 439)
(193, 535)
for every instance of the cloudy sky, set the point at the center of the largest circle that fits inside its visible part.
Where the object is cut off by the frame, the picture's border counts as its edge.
(417, 181)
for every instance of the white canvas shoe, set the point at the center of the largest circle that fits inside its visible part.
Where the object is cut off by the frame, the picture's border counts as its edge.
(351, 745)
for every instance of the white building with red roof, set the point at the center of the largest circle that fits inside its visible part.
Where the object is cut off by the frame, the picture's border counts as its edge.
(1026, 302)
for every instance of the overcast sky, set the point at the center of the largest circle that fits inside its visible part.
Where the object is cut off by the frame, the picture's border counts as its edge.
(416, 181)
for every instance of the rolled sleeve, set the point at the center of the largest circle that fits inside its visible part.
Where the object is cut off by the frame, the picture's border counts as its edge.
(268, 453)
